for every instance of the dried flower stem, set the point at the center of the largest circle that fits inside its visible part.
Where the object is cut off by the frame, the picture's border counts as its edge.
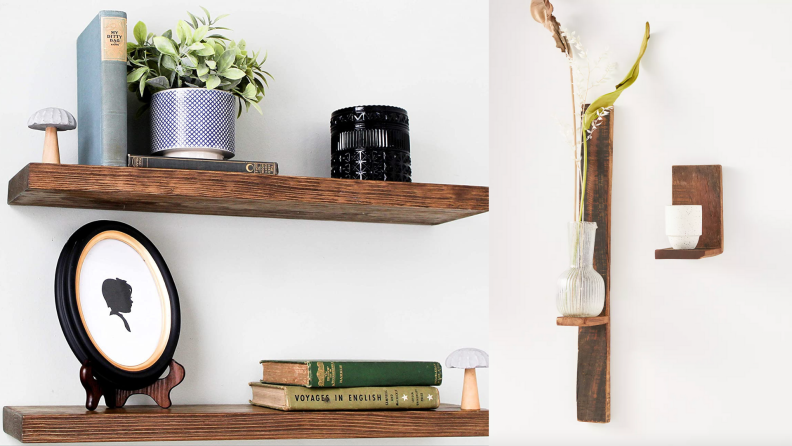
(585, 74)
(581, 72)
(574, 126)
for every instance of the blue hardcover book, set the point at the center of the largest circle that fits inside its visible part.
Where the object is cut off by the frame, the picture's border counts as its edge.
(102, 91)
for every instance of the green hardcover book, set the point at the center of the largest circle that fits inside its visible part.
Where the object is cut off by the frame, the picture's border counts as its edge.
(358, 398)
(352, 373)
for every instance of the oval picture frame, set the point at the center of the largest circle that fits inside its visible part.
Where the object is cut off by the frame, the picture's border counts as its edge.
(117, 304)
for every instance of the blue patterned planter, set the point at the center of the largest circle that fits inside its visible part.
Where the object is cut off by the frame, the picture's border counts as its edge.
(193, 120)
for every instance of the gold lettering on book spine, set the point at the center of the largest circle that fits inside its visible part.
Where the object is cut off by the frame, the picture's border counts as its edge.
(320, 374)
(265, 168)
(114, 30)
(325, 374)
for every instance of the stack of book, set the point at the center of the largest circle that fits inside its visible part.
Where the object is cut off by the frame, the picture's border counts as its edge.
(348, 385)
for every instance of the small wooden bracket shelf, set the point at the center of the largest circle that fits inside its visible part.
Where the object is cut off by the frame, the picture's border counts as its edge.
(702, 185)
(72, 424)
(243, 194)
(593, 369)
(582, 321)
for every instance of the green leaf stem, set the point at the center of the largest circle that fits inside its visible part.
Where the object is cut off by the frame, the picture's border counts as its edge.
(603, 102)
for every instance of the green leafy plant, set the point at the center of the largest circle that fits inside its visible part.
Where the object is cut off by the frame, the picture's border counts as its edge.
(199, 58)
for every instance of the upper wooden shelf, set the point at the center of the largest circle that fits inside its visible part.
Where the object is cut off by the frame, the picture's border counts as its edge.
(242, 194)
(72, 424)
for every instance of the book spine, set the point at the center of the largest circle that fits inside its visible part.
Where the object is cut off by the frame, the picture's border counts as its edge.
(161, 162)
(363, 398)
(365, 374)
(102, 90)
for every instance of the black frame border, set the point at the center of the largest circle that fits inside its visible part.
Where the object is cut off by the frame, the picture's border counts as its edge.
(71, 323)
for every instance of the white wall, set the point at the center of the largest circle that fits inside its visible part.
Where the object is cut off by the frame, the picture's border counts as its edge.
(700, 350)
(264, 288)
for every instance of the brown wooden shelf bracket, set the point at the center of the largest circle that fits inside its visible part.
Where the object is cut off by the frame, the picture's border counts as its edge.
(702, 185)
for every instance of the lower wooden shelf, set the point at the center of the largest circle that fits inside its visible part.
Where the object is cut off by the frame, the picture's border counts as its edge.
(582, 321)
(689, 254)
(72, 424)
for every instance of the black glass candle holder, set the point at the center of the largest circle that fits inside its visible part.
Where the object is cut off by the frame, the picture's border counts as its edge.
(370, 142)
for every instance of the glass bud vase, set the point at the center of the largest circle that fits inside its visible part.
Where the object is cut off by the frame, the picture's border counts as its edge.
(581, 289)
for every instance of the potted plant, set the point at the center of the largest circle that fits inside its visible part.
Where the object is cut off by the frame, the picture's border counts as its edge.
(193, 84)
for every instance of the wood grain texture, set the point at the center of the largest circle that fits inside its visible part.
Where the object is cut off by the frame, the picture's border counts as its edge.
(12, 422)
(240, 194)
(159, 391)
(687, 254)
(582, 321)
(699, 185)
(69, 424)
(593, 375)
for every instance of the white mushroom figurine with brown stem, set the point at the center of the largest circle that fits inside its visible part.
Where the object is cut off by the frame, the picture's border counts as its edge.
(469, 359)
(51, 121)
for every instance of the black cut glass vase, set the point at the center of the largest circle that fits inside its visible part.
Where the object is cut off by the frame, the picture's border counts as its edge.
(370, 142)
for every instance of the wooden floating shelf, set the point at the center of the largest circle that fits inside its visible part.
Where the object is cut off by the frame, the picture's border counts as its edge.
(582, 321)
(71, 424)
(699, 185)
(242, 194)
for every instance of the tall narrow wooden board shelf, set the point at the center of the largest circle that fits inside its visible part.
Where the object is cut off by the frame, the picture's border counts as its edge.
(593, 368)
(242, 194)
(593, 374)
(72, 424)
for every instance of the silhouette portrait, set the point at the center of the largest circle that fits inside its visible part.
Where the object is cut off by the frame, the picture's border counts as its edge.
(118, 295)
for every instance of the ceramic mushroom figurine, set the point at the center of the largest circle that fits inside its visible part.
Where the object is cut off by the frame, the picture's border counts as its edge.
(469, 359)
(52, 120)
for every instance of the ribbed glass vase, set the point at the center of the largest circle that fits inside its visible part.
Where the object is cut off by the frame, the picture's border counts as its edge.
(581, 290)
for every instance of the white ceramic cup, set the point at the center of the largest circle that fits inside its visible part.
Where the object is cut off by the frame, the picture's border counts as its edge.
(683, 226)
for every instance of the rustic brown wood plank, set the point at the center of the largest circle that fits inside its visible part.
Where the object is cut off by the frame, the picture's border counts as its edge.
(582, 321)
(702, 185)
(593, 377)
(12, 422)
(689, 254)
(69, 424)
(699, 185)
(246, 195)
